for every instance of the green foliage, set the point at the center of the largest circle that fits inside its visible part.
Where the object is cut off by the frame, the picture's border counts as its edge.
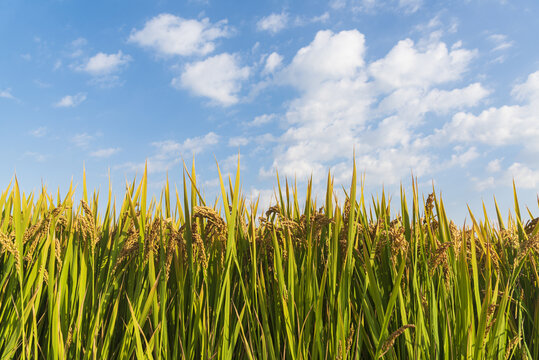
(343, 281)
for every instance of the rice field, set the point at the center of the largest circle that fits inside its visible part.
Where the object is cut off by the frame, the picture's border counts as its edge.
(179, 278)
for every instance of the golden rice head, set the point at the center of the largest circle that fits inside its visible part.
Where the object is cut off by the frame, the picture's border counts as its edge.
(8, 245)
(388, 344)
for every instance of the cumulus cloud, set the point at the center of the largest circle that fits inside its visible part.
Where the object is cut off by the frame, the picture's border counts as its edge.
(524, 176)
(408, 65)
(168, 34)
(273, 61)
(103, 64)
(218, 77)
(378, 109)
(71, 100)
(273, 23)
(328, 57)
(500, 126)
(414, 102)
(462, 158)
(105, 153)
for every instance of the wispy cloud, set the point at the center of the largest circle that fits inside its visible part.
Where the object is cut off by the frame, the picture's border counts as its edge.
(500, 42)
(169, 153)
(410, 6)
(70, 100)
(262, 119)
(76, 47)
(39, 132)
(238, 141)
(105, 153)
(6, 94)
(42, 84)
(82, 140)
(37, 157)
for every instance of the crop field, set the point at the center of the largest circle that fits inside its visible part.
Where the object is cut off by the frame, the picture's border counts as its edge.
(180, 278)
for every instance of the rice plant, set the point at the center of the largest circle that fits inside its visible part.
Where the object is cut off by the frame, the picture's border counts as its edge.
(178, 278)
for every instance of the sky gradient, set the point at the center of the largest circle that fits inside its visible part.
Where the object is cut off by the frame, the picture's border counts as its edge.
(448, 91)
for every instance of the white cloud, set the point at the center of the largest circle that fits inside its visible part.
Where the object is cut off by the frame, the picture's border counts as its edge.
(273, 23)
(378, 109)
(414, 102)
(494, 165)
(407, 65)
(71, 100)
(505, 125)
(103, 64)
(229, 165)
(528, 90)
(172, 35)
(218, 77)
(332, 107)
(273, 61)
(265, 197)
(39, 132)
(483, 184)
(328, 57)
(462, 158)
(6, 94)
(525, 177)
(104, 153)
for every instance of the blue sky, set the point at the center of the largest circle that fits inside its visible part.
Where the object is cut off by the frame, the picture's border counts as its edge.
(446, 90)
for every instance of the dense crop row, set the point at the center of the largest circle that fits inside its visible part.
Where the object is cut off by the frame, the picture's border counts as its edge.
(327, 280)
